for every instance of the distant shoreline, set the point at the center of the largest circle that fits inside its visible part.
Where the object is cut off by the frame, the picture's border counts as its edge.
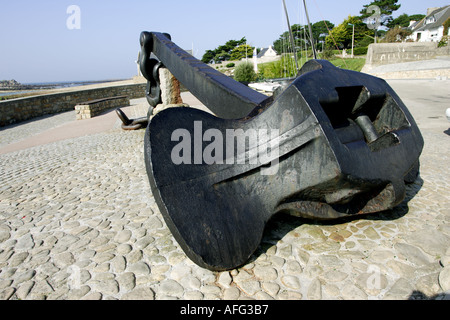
(54, 85)
(26, 88)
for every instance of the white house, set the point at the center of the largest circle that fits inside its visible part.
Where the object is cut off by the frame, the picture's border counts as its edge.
(430, 28)
(267, 55)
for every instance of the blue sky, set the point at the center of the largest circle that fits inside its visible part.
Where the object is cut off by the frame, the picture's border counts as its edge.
(37, 46)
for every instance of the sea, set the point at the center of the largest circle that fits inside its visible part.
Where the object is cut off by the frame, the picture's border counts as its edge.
(53, 85)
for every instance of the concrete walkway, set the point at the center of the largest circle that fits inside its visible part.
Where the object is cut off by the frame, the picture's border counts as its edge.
(78, 221)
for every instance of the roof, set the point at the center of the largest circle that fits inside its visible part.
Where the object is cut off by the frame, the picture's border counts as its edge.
(440, 16)
(264, 51)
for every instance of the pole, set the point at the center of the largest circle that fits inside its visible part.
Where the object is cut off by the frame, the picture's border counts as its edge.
(291, 35)
(310, 30)
(353, 40)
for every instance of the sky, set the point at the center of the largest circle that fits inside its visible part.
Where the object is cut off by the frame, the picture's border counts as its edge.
(47, 41)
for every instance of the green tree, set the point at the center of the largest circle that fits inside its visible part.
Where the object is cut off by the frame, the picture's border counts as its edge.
(283, 43)
(404, 20)
(222, 52)
(343, 33)
(301, 36)
(208, 56)
(320, 31)
(242, 51)
(386, 8)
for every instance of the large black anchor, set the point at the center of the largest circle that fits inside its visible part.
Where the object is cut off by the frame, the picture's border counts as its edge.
(334, 143)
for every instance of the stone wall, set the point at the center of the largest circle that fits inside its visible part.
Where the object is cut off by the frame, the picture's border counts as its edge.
(388, 53)
(17, 110)
(90, 109)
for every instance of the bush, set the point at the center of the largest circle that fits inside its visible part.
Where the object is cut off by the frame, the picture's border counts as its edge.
(244, 72)
(327, 53)
(443, 42)
(397, 34)
(230, 65)
(360, 51)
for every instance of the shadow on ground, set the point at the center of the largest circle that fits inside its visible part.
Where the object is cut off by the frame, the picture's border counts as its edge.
(281, 224)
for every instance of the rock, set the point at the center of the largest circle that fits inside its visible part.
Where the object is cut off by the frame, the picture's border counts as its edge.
(123, 236)
(110, 287)
(210, 289)
(250, 287)
(428, 284)
(444, 279)
(64, 259)
(371, 233)
(190, 282)
(352, 292)
(231, 293)
(225, 279)
(271, 288)
(25, 242)
(401, 289)
(139, 268)
(334, 276)
(77, 294)
(18, 259)
(7, 293)
(445, 261)
(28, 275)
(171, 288)
(291, 282)
(144, 242)
(293, 267)
(24, 290)
(92, 296)
(127, 281)
(139, 294)
(119, 264)
(124, 248)
(265, 273)
(103, 257)
(4, 234)
(314, 290)
(429, 240)
(412, 254)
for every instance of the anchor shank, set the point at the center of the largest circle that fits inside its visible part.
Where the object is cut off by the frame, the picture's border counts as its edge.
(225, 97)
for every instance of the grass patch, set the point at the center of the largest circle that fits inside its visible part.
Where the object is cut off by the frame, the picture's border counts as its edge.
(285, 67)
(355, 64)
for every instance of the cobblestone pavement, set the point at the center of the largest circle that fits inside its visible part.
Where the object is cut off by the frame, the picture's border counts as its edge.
(78, 221)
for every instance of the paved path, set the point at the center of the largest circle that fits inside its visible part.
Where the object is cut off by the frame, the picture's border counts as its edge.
(77, 221)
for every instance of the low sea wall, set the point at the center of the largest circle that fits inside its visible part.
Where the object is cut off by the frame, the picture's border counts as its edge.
(391, 53)
(17, 110)
(388, 53)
